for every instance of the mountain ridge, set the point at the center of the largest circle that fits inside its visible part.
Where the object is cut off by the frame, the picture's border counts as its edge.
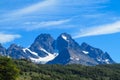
(64, 50)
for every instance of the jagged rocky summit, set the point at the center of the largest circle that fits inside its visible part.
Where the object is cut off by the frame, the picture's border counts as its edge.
(64, 50)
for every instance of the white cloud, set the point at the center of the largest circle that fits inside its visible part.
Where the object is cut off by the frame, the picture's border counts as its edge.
(18, 14)
(46, 24)
(4, 38)
(33, 8)
(100, 30)
(51, 23)
(53, 11)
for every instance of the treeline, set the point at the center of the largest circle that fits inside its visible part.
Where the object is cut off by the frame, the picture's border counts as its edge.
(26, 70)
(31, 71)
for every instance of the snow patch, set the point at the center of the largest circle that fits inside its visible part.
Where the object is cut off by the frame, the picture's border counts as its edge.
(85, 52)
(77, 59)
(107, 61)
(41, 60)
(98, 59)
(44, 51)
(34, 53)
(44, 60)
(64, 37)
(24, 50)
(71, 58)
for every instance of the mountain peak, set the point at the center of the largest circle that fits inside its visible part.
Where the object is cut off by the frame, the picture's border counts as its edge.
(84, 44)
(65, 36)
(44, 41)
(43, 36)
(14, 46)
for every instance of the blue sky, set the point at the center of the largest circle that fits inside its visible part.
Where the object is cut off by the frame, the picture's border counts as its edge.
(96, 22)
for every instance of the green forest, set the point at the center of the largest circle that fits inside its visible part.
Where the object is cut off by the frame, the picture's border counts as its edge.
(26, 70)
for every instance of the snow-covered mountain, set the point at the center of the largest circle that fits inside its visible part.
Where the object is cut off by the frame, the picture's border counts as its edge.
(63, 50)
(70, 52)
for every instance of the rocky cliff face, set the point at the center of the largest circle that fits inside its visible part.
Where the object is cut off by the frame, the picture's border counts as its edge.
(44, 41)
(16, 52)
(98, 55)
(70, 52)
(2, 50)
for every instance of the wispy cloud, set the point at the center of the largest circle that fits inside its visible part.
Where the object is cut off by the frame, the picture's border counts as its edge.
(17, 16)
(46, 24)
(33, 8)
(51, 14)
(99, 30)
(4, 38)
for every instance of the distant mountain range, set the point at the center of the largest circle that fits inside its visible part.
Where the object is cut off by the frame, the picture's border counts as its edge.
(63, 50)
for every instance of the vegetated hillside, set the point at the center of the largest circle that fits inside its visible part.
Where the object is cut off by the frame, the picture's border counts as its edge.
(8, 69)
(31, 71)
